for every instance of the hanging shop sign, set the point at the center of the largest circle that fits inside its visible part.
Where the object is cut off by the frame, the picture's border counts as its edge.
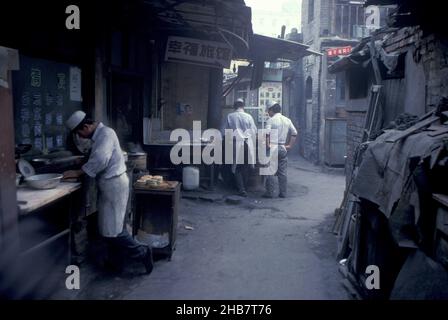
(196, 51)
(342, 51)
(271, 74)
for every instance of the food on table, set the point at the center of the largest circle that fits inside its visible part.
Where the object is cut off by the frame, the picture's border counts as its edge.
(150, 180)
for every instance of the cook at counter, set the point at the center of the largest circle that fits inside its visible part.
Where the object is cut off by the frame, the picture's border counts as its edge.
(106, 163)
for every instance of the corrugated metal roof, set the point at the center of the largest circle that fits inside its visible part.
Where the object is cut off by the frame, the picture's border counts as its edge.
(271, 49)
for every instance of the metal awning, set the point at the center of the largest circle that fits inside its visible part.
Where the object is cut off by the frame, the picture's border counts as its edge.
(265, 48)
(357, 58)
(345, 63)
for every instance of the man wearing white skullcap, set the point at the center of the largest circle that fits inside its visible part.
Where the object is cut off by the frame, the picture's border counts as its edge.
(243, 126)
(106, 164)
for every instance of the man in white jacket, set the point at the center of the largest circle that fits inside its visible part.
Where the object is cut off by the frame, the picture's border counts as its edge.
(284, 129)
(106, 164)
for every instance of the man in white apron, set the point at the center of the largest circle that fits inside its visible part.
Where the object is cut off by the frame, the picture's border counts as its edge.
(106, 164)
(244, 133)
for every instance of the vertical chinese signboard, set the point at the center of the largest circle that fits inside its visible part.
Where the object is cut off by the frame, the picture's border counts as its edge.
(45, 95)
(269, 92)
(197, 51)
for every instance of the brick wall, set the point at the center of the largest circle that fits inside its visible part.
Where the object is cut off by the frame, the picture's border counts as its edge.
(322, 104)
(355, 127)
(311, 66)
(435, 61)
(311, 29)
(312, 125)
(429, 51)
(325, 16)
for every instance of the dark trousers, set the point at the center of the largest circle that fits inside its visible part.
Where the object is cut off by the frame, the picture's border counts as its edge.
(125, 246)
(242, 171)
(241, 176)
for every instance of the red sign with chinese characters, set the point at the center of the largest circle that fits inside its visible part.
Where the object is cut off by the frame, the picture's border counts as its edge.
(343, 51)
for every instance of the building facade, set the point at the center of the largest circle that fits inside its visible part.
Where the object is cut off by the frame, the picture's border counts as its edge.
(332, 27)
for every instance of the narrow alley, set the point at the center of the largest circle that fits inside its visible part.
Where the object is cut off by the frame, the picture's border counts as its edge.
(223, 150)
(258, 249)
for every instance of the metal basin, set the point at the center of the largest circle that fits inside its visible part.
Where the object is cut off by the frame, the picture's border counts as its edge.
(41, 161)
(44, 181)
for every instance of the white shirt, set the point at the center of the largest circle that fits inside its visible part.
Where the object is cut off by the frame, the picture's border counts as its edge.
(283, 125)
(242, 122)
(106, 158)
(245, 128)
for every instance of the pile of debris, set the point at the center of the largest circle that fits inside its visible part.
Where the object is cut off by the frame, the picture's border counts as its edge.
(403, 122)
(395, 211)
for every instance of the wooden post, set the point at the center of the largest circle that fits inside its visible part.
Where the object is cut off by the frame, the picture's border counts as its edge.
(214, 99)
(375, 65)
(100, 107)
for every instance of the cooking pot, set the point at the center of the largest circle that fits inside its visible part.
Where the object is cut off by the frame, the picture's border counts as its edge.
(138, 160)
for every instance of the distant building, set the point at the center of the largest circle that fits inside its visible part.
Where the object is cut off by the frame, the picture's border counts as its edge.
(332, 27)
(292, 102)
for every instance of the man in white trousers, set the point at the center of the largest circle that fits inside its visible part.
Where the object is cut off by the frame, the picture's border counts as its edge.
(106, 164)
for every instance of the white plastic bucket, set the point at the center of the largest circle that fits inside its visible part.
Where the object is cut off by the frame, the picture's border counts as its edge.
(190, 178)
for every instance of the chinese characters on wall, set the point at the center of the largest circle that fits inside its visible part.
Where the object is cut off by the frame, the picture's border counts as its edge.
(196, 51)
(45, 93)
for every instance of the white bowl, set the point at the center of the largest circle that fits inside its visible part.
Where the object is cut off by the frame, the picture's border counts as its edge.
(44, 181)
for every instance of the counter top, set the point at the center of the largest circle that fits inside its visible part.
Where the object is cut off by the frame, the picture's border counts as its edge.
(39, 198)
(164, 186)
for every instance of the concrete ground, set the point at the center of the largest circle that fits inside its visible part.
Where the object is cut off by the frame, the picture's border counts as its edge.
(257, 249)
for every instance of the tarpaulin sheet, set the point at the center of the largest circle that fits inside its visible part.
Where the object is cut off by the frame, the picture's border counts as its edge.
(385, 167)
